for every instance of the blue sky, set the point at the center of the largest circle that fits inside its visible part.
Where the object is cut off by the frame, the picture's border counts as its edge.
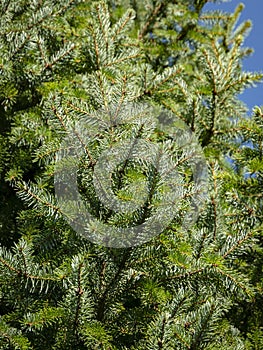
(253, 11)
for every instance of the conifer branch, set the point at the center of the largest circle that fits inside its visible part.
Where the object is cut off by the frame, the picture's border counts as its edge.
(21, 46)
(150, 20)
(25, 188)
(197, 337)
(117, 61)
(213, 201)
(160, 339)
(103, 298)
(119, 27)
(63, 124)
(238, 244)
(177, 290)
(79, 293)
(25, 274)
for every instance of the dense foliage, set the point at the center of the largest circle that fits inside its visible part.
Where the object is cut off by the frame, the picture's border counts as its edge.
(65, 63)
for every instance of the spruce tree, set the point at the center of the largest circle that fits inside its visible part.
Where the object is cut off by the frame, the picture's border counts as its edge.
(158, 81)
